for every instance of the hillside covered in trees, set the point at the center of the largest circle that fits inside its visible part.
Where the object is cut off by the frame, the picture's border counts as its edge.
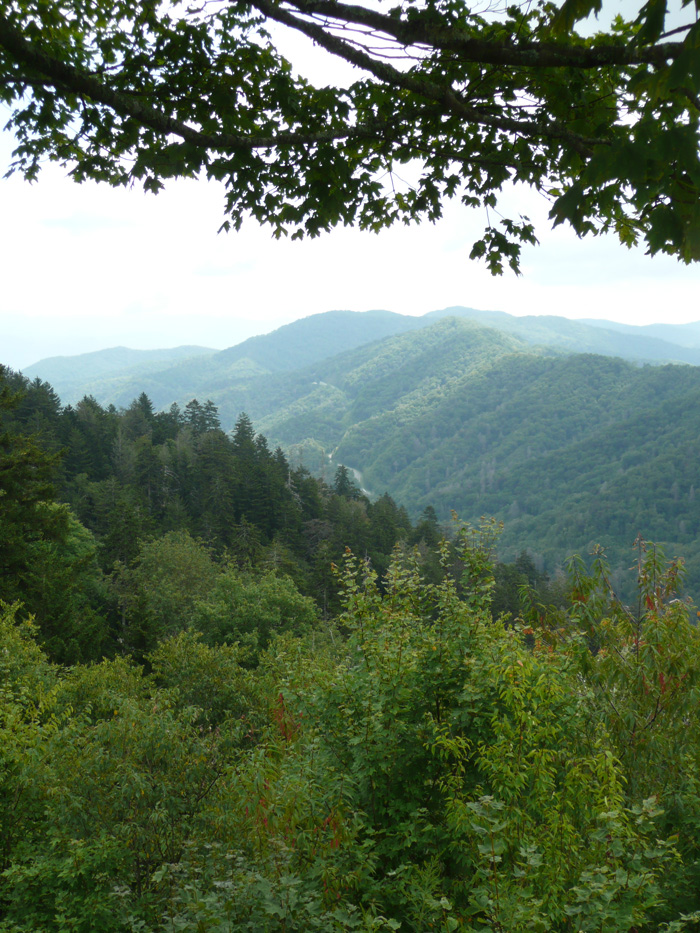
(235, 697)
(118, 525)
(569, 450)
(117, 376)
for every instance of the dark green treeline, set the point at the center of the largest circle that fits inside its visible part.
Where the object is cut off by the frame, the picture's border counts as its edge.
(121, 527)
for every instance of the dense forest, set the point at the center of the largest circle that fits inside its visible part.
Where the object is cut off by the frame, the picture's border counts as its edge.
(235, 697)
(568, 449)
(118, 375)
(119, 525)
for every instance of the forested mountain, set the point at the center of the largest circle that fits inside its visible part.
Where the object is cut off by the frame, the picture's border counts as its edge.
(569, 450)
(322, 403)
(237, 697)
(106, 372)
(102, 363)
(318, 337)
(290, 347)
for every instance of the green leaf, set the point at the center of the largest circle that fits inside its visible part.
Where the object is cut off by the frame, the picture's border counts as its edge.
(572, 11)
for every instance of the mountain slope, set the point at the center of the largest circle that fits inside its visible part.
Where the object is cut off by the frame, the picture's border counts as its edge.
(102, 364)
(323, 401)
(309, 341)
(646, 344)
(568, 451)
(684, 335)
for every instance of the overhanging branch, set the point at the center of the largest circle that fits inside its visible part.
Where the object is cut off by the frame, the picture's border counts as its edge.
(67, 77)
(131, 106)
(520, 54)
(443, 95)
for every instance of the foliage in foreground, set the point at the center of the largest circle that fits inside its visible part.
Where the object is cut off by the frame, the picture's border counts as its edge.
(605, 126)
(115, 527)
(418, 766)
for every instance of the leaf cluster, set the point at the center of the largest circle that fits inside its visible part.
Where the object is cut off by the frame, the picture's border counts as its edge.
(461, 101)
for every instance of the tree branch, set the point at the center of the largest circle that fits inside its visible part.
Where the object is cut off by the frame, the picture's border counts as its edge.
(59, 73)
(85, 83)
(524, 54)
(444, 95)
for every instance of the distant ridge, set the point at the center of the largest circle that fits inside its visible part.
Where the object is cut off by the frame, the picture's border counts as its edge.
(118, 375)
(181, 377)
(477, 411)
(686, 335)
(103, 362)
(317, 337)
(653, 343)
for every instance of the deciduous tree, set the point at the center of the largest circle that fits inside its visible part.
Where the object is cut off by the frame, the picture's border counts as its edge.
(463, 99)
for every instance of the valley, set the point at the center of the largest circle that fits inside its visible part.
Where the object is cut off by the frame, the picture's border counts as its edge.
(569, 449)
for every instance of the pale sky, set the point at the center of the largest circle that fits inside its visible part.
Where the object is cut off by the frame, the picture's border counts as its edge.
(88, 267)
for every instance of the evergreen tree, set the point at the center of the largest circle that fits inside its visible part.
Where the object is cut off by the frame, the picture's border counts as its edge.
(193, 415)
(202, 418)
(26, 475)
(210, 417)
(344, 485)
(166, 424)
(47, 559)
(217, 490)
(243, 436)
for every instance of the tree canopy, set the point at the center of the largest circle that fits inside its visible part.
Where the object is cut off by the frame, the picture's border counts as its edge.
(456, 98)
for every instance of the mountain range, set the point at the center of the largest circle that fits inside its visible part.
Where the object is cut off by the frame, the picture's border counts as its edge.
(116, 375)
(561, 428)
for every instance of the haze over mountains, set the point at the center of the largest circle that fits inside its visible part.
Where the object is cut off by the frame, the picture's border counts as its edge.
(115, 375)
(553, 425)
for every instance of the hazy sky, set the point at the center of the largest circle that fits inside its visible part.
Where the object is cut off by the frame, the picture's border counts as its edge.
(87, 267)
